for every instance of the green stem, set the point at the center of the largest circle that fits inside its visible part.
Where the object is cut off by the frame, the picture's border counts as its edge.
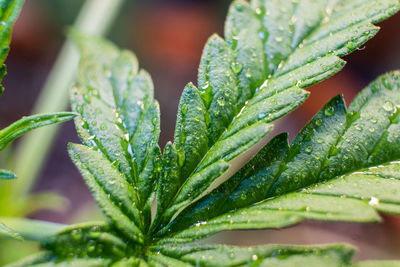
(94, 18)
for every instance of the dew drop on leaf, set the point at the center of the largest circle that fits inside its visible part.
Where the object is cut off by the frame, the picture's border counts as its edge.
(184, 109)
(386, 83)
(239, 7)
(329, 111)
(76, 234)
(373, 201)
(388, 106)
(236, 67)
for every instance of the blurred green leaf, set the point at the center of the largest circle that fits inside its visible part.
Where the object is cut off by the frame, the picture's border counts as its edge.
(5, 231)
(26, 124)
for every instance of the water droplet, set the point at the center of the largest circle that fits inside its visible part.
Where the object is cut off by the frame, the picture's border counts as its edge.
(236, 67)
(329, 111)
(262, 35)
(388, 106)
(318, 122)
(87, 99)
(262, 115)
(76, 234)
(184, 109)
(234, 41)
(260, 11)
(386, 83)
(373, 201)
(206, 93)
(220, 102)
(239, 7)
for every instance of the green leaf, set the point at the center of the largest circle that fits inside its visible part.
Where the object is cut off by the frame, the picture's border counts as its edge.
(26, 124)
(191, 133)
(118, 115)
(272, 255)
(32, 230)
(5, 174)
(9, 11)
(344, 162)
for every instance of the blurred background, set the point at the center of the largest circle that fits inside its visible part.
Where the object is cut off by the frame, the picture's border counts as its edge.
(168, 37)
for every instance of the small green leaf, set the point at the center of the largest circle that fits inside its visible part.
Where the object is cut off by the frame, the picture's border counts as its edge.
(191, 132)
(118, 115)
(30, 123)
(217, 86)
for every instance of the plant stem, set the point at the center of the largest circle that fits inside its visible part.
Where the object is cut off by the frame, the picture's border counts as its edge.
(94, 18)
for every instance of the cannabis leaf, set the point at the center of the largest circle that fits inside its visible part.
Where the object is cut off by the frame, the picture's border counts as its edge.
(155, 202)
